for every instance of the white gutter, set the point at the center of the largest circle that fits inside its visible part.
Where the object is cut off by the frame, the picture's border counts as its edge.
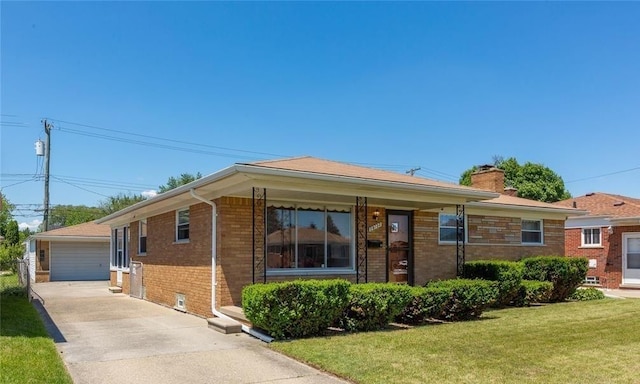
(214, 263)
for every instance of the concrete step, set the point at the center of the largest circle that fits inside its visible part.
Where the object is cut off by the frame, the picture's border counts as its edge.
(629, 286)
(224, 325)
(235, 312)
(115, 289)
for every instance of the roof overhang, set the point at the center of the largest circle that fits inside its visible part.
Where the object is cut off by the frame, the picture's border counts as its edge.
(289, 185)
(487, 208)
(78, 239)
(631, 220)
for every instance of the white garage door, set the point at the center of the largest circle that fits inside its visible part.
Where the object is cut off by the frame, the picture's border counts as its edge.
(79, 261)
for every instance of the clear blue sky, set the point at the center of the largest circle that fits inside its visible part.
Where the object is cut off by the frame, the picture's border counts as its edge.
(440, 85)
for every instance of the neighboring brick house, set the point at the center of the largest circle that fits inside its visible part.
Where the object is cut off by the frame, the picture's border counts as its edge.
(609, 236)
(312, 218)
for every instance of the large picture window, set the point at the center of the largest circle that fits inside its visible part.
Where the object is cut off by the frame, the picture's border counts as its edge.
(591, 237)
(308, 239)
(532, 231)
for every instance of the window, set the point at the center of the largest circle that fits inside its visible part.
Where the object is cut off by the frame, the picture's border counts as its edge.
(591, 237)
(308, 239)
(142, 237)
(532, 231)
(182, 225)
(448, 227)
(120, 247)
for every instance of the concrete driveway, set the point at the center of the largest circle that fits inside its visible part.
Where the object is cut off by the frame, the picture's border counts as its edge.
(113, 338)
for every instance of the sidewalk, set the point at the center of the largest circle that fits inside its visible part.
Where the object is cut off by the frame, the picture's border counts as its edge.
(622, 293)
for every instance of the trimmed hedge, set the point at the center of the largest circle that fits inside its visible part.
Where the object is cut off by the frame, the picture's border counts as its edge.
(506, 274)
(427, 303)
(533, 291)
(585, 294)
(373, 306)
(297, 308)
(566, 273)
(467, 298)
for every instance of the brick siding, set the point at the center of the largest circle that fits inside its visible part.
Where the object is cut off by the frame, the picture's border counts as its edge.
(608, 257)
(171, 268)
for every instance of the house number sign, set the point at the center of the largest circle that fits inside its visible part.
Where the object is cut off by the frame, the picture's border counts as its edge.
(375, 226)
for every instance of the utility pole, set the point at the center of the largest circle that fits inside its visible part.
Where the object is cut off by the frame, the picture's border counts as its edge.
(412, 171)
(47, 157)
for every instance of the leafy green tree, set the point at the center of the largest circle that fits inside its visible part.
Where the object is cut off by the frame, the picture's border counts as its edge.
(532, 180)
(24, 234)
(5, 214)
(120, 201)
(67, 215)
(175, 182)
(12, 233)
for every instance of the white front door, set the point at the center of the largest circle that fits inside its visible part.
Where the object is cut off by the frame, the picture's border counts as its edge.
(631, 258)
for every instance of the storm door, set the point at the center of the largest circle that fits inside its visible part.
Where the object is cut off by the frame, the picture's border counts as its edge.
(400, 247)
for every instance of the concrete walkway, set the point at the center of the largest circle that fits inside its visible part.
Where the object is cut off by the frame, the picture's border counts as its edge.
(622, 293)
(107, 338)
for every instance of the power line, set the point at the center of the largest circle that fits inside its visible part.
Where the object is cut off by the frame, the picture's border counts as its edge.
(76, 186)
(167, 139)
(603, 175)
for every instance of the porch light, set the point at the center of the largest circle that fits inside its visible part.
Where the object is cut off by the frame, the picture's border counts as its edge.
(376, 214)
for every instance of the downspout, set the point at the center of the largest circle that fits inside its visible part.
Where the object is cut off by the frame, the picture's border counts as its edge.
(214, 263)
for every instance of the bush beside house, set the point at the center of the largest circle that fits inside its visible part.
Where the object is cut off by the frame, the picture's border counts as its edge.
(566, 273)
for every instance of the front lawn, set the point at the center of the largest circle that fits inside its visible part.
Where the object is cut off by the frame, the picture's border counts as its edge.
(27, 353)
(581, 342)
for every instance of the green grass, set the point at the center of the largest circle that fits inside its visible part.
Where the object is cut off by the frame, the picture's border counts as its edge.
(579, 342)
(27, 353)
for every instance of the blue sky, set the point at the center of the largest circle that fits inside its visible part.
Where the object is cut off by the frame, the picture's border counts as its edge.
(436, 85)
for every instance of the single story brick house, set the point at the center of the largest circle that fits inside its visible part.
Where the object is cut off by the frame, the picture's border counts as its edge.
(609, 236)
(195, 247)
(77, 252)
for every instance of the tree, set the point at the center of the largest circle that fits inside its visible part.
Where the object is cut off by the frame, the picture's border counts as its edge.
(175, 182)
(12, 233)
(532, 180)
(66, 215)
(5, 214)
(120, 201)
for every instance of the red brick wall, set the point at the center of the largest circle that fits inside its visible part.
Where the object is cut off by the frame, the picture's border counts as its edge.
(170, 268)
(608, 256)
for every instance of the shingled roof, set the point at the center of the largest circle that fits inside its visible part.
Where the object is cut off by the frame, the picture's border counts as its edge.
(89, 230)
(605, 204)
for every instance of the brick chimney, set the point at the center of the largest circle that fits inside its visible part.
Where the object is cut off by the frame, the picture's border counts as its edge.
(490, 178)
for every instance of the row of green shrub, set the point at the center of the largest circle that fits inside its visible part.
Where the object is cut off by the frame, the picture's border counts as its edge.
(519, 282)
(304, 308)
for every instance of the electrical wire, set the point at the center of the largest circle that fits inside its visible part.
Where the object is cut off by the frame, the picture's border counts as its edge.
(76, 186)
(603, 175)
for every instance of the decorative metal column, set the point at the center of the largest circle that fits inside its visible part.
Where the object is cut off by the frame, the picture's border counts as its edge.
(460, 252)
(259, 210)
(361, 239)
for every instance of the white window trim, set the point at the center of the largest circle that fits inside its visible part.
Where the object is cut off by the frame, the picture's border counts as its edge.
(541, 231)
(140, 253)
(176, 226)
(126, 235)
(466, 229)
(593, 245)
(325, 270)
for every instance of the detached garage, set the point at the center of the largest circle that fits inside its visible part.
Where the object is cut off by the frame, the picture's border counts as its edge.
(79, 252)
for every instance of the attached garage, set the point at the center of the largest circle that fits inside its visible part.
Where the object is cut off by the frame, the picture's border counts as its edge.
(79, 261)
(78, 252)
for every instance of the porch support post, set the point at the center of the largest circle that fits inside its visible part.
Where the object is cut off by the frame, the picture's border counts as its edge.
(460, 240)
(259, 209)
(361, 239)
